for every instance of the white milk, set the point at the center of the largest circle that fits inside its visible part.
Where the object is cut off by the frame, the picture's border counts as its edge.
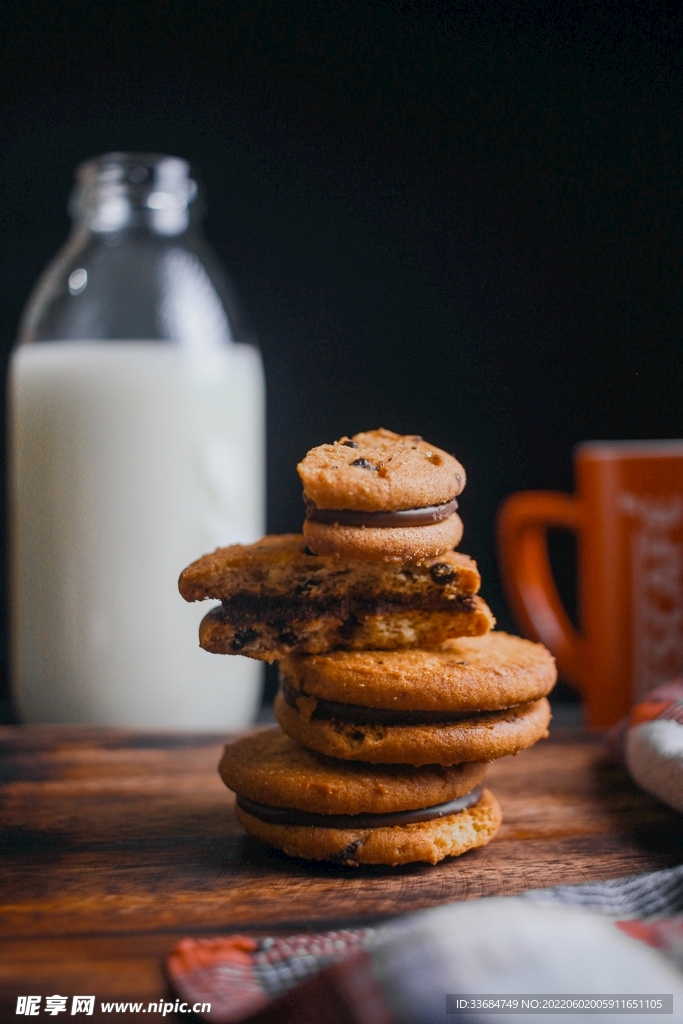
(128, 461)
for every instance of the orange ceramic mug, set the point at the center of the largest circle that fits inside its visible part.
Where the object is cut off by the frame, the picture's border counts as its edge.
(628, 518)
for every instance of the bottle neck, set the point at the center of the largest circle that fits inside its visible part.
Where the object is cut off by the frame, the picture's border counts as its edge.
(131, 190)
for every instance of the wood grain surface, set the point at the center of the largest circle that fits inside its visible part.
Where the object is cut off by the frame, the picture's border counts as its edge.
(115, 844)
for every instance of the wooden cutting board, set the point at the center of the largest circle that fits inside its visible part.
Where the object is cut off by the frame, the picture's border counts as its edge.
(115, 844)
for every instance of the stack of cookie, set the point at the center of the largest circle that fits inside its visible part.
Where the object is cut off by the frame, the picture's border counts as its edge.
(394, 694)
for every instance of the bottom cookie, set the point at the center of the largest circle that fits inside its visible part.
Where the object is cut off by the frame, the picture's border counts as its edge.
(429, 841)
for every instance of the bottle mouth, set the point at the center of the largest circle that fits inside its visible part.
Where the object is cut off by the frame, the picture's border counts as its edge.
(118, 189)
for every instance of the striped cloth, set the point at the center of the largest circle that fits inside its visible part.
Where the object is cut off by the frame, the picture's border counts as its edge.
(656, 894)
(241, 976)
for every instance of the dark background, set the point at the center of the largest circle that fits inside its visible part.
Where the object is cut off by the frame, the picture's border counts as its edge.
(451, 219)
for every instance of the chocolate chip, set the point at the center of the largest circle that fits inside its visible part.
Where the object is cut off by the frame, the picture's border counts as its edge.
(350, 444)
(242, 638)
(364, 464)
(288, 638)
(442, 573)
(349, 627)
(343, 856)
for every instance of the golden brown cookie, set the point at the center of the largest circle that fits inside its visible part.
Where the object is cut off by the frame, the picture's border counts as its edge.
(381, 496)
(269, 767)
(318, 808)
(380, 471)
(428, 841)
(400, 544)
(485, 673)
(482, 736)
(277, 597)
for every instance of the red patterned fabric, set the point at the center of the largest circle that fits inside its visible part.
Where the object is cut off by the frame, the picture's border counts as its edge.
(665, 701)
(666, 935)
(252, 980)
(239, 975)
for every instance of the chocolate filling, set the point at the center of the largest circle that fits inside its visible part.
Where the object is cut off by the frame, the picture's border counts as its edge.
(292, 816)
(300, 605)
(426, 516)
(359, 715)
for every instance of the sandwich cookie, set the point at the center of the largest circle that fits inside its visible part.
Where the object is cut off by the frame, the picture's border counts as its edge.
(277, 598)
(471, 699)
(444, 740)
(320, 809)
(379, 495)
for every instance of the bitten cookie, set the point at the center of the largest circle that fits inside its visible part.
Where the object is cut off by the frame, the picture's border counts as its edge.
(277, 597)
(320, 809)
(382, 496)
(468, 736)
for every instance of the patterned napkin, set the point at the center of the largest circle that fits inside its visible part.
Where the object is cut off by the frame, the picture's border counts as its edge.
(650, 741)
(239, 975)
(621, 936)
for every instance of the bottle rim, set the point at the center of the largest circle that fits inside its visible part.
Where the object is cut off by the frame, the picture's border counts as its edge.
(108, 185)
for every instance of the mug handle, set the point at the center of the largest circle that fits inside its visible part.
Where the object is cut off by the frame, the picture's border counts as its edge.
(523, 522)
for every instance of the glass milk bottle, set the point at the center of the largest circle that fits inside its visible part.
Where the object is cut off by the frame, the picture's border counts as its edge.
(136, 428)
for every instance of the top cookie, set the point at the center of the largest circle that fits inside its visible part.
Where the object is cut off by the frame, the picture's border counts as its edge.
(379, 471)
